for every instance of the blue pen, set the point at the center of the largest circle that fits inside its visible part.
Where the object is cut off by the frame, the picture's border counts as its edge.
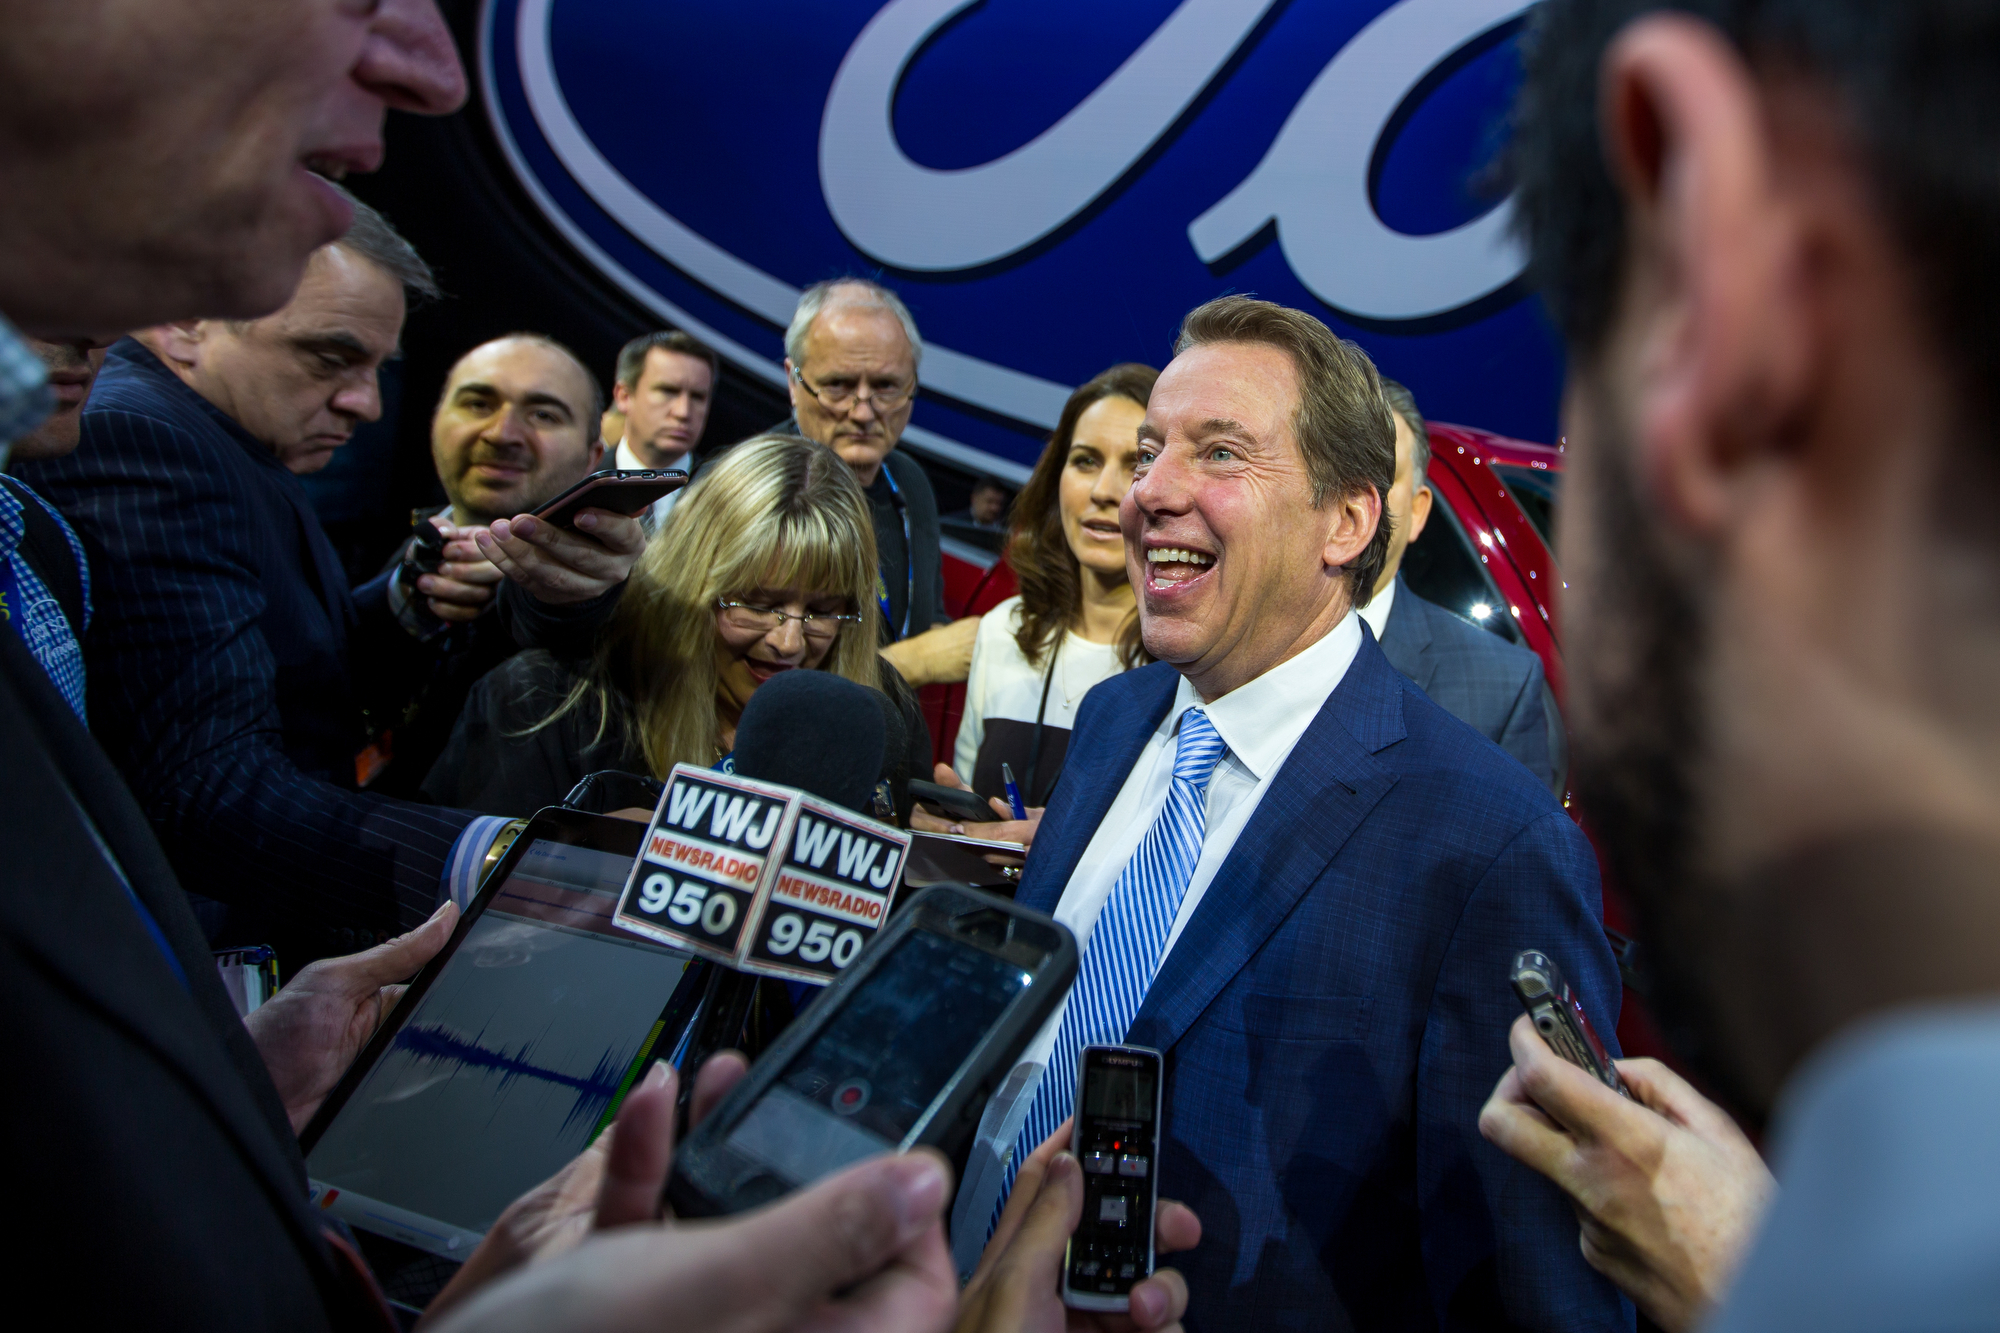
(1013, 792)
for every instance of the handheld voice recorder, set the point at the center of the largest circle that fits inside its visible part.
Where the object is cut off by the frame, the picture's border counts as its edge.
(1558, 1015)
(1116, 1139)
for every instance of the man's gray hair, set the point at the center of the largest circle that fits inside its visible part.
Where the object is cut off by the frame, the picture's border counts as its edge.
(1404, 404)
(380, 244)
(847, 292)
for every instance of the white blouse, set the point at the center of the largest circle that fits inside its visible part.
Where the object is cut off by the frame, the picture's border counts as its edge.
(1004, 693)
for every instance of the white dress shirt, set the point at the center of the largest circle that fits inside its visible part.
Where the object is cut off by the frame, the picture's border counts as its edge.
(1260, 721)
(629, 461)
(1376, 613)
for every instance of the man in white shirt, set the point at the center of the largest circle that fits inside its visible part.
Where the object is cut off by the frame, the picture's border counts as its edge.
(1303, 881)
(663, 390)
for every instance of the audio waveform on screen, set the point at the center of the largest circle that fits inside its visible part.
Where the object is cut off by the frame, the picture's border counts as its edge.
(435, 1042)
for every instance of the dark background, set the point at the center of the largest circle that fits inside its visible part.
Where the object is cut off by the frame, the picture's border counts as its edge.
(446, 187)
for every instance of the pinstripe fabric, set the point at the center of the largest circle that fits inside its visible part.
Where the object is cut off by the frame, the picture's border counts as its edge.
(219, 680)
(1124, 950)
(25, 394)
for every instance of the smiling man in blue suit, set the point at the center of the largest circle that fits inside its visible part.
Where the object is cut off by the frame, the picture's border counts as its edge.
(1304, 881)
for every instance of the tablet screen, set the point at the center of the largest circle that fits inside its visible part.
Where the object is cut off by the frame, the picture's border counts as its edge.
(509, 1062)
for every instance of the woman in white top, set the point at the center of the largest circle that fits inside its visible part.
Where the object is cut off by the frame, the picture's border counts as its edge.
(1076, 620)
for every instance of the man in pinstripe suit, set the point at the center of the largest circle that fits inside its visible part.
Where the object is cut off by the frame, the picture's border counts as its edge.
(227, 649)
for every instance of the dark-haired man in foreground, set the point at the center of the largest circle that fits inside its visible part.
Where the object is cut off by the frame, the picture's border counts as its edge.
(1304, 881)
(1771, 235)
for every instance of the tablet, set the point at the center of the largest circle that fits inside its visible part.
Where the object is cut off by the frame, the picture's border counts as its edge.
(510, 1049)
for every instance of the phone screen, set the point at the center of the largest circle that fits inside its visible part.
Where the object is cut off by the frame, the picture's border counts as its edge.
(872, 1072)
(508, 1064)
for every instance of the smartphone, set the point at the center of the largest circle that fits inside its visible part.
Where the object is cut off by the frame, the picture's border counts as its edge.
(1116, 1137)
(1558, 1015)
(967, 807)
(903, 1051)
(626, 493)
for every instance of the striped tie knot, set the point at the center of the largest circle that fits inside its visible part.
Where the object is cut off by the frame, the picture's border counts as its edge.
(1198, 749)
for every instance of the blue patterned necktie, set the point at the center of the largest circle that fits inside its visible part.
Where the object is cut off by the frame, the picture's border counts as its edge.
(1124, 950)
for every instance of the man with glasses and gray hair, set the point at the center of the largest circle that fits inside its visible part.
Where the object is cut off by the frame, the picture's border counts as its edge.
(851, 357)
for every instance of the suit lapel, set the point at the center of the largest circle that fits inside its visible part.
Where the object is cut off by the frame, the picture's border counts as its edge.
(1102, 751)
(1318, 799)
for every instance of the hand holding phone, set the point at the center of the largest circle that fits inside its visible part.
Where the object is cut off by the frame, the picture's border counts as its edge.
(629, 493)
(902, 1052)
(967, 807)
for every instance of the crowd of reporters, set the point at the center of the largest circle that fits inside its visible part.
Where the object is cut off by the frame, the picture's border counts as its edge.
(273, 755)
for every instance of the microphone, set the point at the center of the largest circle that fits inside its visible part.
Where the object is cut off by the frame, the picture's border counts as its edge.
(818, 732)
(895, 755)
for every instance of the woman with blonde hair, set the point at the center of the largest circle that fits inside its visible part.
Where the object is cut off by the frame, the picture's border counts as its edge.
(766, 565)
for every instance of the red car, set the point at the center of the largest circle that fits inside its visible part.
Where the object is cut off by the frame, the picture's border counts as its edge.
(1486, 554)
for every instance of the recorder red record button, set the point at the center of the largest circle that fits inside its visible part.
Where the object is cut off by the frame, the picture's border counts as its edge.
(850, 1096)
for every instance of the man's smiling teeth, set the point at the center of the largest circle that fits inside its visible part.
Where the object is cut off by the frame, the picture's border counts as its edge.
(1165, 554)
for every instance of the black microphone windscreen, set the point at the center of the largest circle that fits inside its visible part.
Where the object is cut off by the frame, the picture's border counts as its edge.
(895, 753)
(816, 731)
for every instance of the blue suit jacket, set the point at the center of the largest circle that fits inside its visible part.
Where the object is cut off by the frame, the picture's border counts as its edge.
(218, 663)
(1495, 687)
(1336, 1012)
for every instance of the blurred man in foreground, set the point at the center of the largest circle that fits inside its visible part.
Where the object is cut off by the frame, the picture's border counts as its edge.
(1495, 687)
(1771, 237)
(851, 355)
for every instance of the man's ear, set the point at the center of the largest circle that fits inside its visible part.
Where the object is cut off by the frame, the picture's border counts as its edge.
(621, 399)
(179, 344)
(1714, 329)
(1353, 520)
(1420, 512)
(594, 454)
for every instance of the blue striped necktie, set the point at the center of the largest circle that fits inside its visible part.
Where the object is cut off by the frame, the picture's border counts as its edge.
(1124, 950)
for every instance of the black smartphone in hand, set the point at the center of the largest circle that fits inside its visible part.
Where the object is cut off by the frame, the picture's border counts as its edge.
(903, 1051)
(967, 807)
(630, 492)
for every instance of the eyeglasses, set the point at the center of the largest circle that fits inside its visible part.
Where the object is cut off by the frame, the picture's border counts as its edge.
(766, 619)
(838, 396)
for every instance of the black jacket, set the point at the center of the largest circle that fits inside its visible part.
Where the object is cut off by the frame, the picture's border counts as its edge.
(501, 760)
(145, 1140)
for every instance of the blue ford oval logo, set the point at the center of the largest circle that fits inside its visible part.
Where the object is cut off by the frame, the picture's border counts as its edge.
(1050, 185)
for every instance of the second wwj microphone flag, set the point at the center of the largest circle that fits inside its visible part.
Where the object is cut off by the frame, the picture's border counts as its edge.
(762, 878)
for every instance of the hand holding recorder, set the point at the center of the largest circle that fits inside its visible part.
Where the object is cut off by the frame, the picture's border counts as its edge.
(1668, 1190)
(1018, 1285)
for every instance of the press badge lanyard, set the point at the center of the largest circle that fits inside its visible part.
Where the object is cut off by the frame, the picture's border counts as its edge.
(909, 558)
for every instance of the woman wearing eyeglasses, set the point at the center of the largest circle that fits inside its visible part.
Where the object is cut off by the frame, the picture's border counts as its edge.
(768, 566)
